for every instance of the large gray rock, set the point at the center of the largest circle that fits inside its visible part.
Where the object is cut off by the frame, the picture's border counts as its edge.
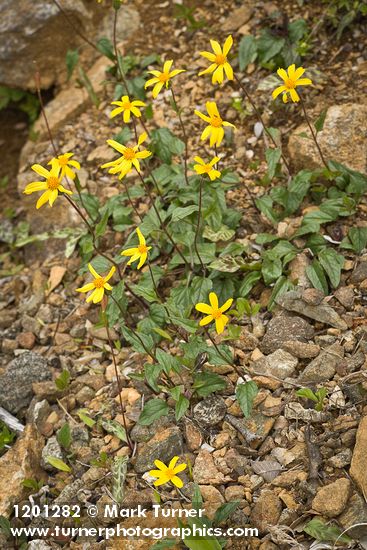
(16, 383)
(163, 446)
(280, 364)
(210, 411)
(343, 139)
(322, 312)
(285, 328)
(35, 30)
(323, 367)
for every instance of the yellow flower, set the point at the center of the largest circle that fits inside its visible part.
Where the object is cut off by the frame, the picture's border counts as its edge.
(291, 78)
(98, 285)
(51, 187)
(130, 157)
(215, 128)
(202, 168)
(166, 474)
(138, 252)
(214, 312)
(162, 78)
(219, 61)
(64, 162)
(127, 107)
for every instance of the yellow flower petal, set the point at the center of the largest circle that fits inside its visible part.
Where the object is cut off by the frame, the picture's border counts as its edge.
(160, 465)
(206, 320)
(177, 481)
(227, 45)
(226, 305)
(86, 288)
(204, 308)
(213, 299)
(93, 271)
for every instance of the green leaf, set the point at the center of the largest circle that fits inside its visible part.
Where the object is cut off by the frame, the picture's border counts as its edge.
(167, 361)
(58, 463)
(307, 393)
(88, 421)
(181, 407)
(181, 213)
(154, 409)
(356, 239)
(319, 123)
(271, 269)
(64, 436)
(5, 526)
(265, 205)
(115, 428)
(101, 226)
(85, 80)
(332, 262)
(272, 158)
(224, 233)
(72, 58)
(165, 144)
(228, 264)
(249, 282)
(320, 530)
(206, 383)
(269, 46)
(104, 45)
(197, 499)
(280, 287)
(224, 511)
(245, 394)
(202, 544)
(316, 275)
(62, 381)
(247, 51)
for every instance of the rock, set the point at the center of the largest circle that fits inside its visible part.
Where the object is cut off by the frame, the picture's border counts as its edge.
(193, 435)
(211, 495)
(163, 446)
(266, 511)
(141, 434)
(301, 349)
(7, 317)
(16, 383)
(358, 470)
(259, 427)
(52, 448)
(295, 411)
(210, 411)
(345, 295)
(331, 499)
(237, 18)
(280, 364)
(19, 463)
(292, 301)
(355, 514)
(342, 139)
(290, 478)
(297, 268)
(247, 341)
(205, 472)
(285, 328)
(234, 492)
(341, 460)
(359, 273)
(323, 367)
(38, 544)
(26, 340)
(37, 30)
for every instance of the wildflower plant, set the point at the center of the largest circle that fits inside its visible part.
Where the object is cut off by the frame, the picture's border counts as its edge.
(177, 228)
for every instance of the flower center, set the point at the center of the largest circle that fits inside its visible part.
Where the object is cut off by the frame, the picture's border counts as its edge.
(53, 183)
(129, 154)
(207, 168)
(63, 160)
(142, 248)
(290, 84)
(126, 105)
(216, 121)
(99, 283)
(170, 473)
(217, 314)
(220, 59)
(163, 77)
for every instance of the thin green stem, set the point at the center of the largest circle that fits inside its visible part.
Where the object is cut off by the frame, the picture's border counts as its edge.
(198, 225)
(163, 225)
(259, 116)
(186, 156)
(75, 29)
(118, 379)
(313, 133)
